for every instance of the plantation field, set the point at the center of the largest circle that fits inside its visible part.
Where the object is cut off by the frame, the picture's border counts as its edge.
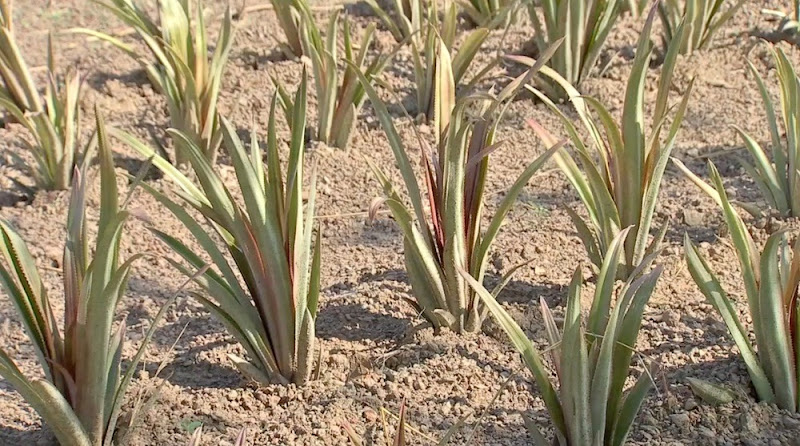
(372, 356)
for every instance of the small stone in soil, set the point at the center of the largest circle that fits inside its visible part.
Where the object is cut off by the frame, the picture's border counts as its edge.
(370, 415)
(692, 218)
(681, 420)
(747, 423)
(670, 318)
(706, 432)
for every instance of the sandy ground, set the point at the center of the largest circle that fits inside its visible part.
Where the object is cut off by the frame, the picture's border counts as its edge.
(363, 320)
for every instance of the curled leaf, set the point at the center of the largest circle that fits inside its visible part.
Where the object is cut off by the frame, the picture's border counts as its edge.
(374, 207)
(714, 394)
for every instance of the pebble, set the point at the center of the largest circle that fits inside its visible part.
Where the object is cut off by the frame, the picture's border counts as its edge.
(706, 432)
(681, 420)
(670, 318)
(369, 381)
(747, 423)
(692, 218)
(447, 407)
(370, 415)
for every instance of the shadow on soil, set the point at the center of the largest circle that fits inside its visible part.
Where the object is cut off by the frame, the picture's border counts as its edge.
(354, 322)
(12, 198)
(714, 334)
(775, 35)
(362, 9)
(258, 60)
(134, 165)
(189, 372)
(381, 232)
(726, 159)
(730, 372)
(346, 317)
(738, 184)
(697, 234)
(184, 323)
(487, 432)
(33, 436)
(527, 293)
(135, 78)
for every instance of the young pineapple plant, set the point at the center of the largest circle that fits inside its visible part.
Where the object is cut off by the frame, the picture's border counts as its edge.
(703, 19)
(584, 27)
(339, 103)
(82, 392)
(270, 239)
(771, 278)
(438, 68)
(405, 20)
(449, 234)
(778, 178)
(635, 7)
(178, 65)
(18, 86)
(491, 14)
(53, 123)
(290, 14)
(619, 169)
(591, 359)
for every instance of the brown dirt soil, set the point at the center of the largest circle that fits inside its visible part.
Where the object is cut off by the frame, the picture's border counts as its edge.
(364, 319)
